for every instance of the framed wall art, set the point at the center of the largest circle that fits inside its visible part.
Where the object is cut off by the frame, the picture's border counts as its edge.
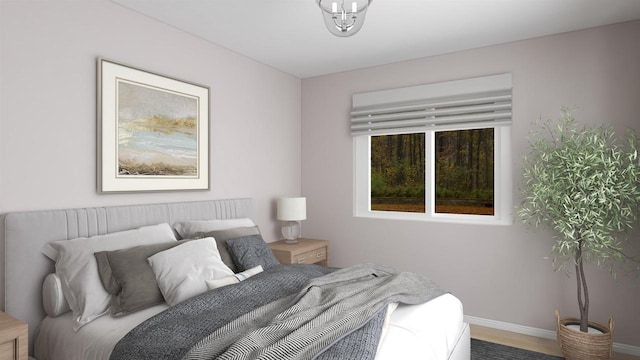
(153, 131)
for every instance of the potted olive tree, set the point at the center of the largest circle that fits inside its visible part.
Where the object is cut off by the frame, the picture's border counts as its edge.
(584, 185)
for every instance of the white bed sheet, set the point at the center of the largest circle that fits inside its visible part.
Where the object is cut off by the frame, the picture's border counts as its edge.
(428, 331)
(56, 339)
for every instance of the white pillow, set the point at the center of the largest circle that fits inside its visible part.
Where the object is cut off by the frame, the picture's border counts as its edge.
(191, 229)
(233, 279)
(52, 298)
(181, 271)
(77, 268)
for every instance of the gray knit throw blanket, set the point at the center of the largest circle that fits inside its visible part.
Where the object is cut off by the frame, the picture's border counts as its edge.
(335, 316)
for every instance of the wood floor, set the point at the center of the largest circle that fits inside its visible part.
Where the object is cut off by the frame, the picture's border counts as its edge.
(527, 342)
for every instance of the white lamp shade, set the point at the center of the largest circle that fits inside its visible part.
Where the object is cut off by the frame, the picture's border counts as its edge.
(292, 209)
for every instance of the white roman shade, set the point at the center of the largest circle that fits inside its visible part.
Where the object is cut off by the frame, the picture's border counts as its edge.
(470, 103)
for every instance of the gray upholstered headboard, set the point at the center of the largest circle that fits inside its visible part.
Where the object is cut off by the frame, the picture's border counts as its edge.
(26, 233)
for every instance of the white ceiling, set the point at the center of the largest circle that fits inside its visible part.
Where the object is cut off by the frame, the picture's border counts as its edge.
(290, 35)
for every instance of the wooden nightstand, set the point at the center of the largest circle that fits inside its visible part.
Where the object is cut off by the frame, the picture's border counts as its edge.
(14, 341)
(306, 251)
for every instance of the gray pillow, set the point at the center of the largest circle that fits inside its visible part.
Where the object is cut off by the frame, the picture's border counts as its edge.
(250, 251)
(222, 236)
(127, 275)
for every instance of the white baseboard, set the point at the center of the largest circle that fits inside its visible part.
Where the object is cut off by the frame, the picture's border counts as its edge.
(541, 333)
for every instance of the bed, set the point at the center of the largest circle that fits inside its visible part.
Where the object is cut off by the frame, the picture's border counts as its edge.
(433, 330)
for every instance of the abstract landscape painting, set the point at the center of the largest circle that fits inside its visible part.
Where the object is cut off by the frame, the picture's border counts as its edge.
(153, 131)
(157, 132)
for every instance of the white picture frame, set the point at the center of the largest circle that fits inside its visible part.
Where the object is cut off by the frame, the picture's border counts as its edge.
(153, 131)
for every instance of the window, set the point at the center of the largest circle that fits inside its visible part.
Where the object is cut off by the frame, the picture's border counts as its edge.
(464, 172)
(397, 172)
(438, 152)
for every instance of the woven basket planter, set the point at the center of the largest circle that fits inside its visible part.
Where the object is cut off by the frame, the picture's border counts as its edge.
(578, 345)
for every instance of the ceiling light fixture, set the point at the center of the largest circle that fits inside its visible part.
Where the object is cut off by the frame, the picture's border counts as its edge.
(344, 17)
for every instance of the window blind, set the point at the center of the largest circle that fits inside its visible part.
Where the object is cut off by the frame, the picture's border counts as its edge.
(470, 103)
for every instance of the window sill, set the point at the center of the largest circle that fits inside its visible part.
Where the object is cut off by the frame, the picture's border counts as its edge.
(439, 218)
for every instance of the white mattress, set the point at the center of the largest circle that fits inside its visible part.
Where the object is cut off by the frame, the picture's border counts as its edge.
(428, 331)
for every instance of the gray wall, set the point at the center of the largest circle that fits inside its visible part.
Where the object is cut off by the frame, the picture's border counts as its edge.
(48, 107)
(499, 272)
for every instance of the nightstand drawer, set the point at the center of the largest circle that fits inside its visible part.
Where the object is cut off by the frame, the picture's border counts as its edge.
(8, 350)
(13, 338)
(311, 257)
(305, 251)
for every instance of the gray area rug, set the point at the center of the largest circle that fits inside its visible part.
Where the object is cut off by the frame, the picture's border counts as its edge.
(483, 350)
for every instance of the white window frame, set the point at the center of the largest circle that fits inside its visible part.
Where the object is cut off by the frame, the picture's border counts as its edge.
(503, 188)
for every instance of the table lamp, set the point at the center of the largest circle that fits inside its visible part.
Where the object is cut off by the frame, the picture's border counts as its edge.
(291, 211)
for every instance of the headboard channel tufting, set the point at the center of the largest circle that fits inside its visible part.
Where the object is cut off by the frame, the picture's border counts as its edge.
(26, 233)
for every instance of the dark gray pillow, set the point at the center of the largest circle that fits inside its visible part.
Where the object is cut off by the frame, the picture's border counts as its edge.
(251, 251)
(127, 275)
(222, 236)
